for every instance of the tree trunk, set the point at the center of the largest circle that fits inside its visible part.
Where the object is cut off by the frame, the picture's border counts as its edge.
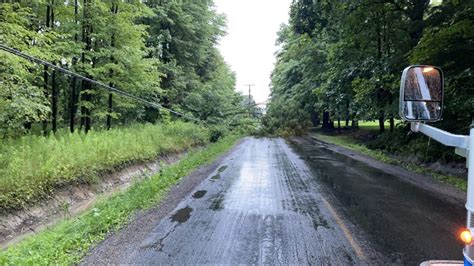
(338, 119)
(89, 111)
(90, 86)
(46, 94)
(315, 118)
(347, 114)
(109, 116)
(355, 123)
(382, 121)
(379, 98)
(45, 71)
(114, 10)
(54, 88)
(392, 119)
(392, 123)
(54, 103)
(72, 105)
(83, 61)
(326, 121)
(73, 98)
(83, 109)
(86, 96)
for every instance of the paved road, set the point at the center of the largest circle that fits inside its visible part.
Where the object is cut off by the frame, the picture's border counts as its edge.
(408, 217)
(264, 204)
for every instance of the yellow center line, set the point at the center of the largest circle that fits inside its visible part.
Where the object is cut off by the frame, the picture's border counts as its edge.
(345, 230)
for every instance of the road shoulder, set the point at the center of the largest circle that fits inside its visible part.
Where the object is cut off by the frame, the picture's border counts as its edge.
(442, 190)
(110, 250)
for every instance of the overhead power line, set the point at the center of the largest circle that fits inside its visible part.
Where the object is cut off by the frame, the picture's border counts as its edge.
(98, 83)
(237, 111)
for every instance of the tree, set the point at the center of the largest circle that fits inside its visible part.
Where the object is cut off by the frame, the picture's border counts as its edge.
(349, 56)
(448, 42)
(22, 101)
(162, 51)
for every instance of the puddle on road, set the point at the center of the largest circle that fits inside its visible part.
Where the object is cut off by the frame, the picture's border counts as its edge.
(217, 203)
(222, 169)
(182, 215)
(321, 158)
(219, 171)
(199, 194)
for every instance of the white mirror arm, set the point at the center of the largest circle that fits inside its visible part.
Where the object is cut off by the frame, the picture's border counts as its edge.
(444, 137)
(461, 143)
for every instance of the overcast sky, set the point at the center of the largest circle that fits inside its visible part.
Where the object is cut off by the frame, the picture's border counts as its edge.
(249, 46)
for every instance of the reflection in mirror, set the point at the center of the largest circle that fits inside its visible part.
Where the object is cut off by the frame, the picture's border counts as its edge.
(423, 84)
(421, 110)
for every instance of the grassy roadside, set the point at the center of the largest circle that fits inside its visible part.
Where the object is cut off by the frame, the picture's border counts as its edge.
(373, 125)
(33, 166)
(351, 144)
(70, 240)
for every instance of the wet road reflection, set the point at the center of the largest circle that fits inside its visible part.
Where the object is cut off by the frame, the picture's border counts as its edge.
(264, 207)
(405, 222)
(269, 202)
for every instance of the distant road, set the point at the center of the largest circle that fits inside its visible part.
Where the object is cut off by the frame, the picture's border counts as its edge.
(268, 202)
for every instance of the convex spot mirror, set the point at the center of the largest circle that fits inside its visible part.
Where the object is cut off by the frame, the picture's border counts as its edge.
(421, 94)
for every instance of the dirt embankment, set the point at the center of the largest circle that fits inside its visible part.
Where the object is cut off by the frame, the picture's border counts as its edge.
(72, 200)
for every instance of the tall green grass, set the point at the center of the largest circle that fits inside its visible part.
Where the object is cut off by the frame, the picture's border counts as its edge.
(33, 166)
(68, 242)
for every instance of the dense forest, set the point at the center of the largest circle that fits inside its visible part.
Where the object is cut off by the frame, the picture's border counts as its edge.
(159, 50)
(341, 61)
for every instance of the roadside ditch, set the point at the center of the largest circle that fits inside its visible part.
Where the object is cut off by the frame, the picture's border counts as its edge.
(72, 200)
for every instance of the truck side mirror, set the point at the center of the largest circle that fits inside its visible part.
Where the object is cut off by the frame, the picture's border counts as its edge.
(421, 94)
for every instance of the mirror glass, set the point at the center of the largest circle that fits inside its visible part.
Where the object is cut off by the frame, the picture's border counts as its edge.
(423, 84)
(416, 110)
(422, 98)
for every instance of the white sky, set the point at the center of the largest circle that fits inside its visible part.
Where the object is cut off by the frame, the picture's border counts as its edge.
(249, 46)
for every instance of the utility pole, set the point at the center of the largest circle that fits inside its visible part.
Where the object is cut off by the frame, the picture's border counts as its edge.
(250, 97)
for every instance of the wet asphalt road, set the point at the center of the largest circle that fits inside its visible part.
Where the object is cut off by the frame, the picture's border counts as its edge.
(408, 222)
(273, 203)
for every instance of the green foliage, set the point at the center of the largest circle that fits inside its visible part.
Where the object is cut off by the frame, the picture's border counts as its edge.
(69, 241)
(21, 102)
(448, 43)
(404, 143)
(32, 166)
(165, 116)
(339, 61)
(343, 59)
(217, 132)
(162, 51)
(183, 35)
